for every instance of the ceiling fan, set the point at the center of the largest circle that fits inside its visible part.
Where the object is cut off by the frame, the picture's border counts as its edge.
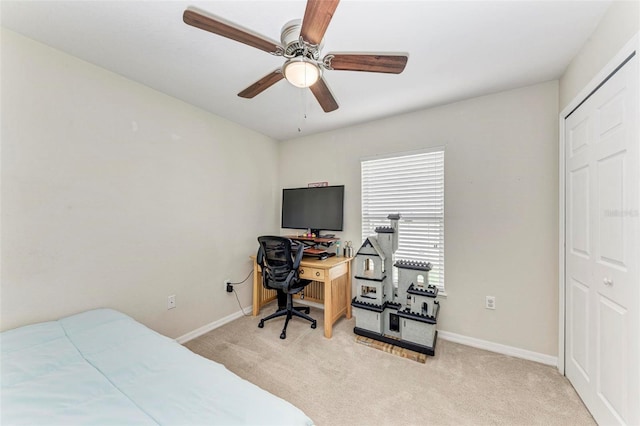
(300, 45)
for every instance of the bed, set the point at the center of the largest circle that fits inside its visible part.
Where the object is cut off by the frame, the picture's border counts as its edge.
(101, 367)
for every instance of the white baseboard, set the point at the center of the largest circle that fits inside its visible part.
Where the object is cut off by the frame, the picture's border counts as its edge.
(212, 326)
(499, 348)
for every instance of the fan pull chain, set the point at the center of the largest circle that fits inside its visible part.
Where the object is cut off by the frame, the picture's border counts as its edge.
(303, 96)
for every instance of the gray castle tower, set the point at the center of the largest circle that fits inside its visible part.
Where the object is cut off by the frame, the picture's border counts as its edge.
(405, 316)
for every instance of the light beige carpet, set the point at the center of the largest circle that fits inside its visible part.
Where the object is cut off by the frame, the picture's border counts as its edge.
(340, 382)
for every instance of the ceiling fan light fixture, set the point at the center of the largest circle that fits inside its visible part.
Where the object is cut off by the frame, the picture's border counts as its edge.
(301, 72)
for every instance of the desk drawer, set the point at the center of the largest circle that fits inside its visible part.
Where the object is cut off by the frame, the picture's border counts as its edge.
(311, 273)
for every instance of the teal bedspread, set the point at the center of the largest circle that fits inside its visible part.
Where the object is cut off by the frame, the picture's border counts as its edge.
(101, 367)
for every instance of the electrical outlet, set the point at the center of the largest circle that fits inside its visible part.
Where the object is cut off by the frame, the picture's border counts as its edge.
(228, 287)
(171, 301)
(490, 302)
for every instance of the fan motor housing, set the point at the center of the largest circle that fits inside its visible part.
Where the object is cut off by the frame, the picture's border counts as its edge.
(294, 46)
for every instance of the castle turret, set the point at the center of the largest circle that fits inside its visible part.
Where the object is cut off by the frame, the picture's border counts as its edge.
(411, 274)
(385, 237)
(394, 218)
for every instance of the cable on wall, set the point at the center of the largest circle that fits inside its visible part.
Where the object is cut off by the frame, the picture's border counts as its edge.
(230, 285)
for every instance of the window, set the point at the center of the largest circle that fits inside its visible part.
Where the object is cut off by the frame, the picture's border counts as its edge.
(411, 184)
(368, 266)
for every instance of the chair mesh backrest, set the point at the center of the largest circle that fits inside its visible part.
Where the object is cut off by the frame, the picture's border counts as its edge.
(278, 258)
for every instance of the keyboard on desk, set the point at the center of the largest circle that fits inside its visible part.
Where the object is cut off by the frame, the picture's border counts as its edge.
(318, 254)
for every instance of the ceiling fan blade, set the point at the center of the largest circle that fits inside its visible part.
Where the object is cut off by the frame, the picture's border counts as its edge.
(234, 32)
(261, 85)
(393, 64)
(322, 93)
(316, 19)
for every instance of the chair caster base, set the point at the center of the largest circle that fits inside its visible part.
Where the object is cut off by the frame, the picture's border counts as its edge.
(261, 324)
(313, 324)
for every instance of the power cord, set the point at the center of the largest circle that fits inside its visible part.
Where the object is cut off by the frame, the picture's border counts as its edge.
(243, 281)
(239, 305)
(230, 289)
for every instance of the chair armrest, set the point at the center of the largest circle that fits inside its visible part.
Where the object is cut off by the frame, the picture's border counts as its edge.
(292, 279)
(260, 257)
(298, 258)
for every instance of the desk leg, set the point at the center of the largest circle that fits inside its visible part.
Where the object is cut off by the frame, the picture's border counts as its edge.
(348, 290)
(256, 289)
(337, 296)
(328, 309)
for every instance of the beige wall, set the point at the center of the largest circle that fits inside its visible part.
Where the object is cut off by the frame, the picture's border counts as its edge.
(117, 195)
(620, 23)
(501, 192)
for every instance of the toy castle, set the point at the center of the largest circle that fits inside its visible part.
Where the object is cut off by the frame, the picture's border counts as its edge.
(405, 316)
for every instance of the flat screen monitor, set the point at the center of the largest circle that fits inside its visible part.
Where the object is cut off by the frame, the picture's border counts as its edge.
(317, 209)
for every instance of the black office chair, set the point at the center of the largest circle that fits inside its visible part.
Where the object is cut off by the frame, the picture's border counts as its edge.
(280, 272)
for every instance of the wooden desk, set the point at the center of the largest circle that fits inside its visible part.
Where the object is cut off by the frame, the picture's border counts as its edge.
(331, 286)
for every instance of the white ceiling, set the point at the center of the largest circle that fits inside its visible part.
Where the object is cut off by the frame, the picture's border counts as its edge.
(456, 50)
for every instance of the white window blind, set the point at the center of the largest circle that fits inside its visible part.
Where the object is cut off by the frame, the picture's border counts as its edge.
(412, 185)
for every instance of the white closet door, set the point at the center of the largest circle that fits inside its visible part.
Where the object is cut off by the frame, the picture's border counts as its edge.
(602, 249)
